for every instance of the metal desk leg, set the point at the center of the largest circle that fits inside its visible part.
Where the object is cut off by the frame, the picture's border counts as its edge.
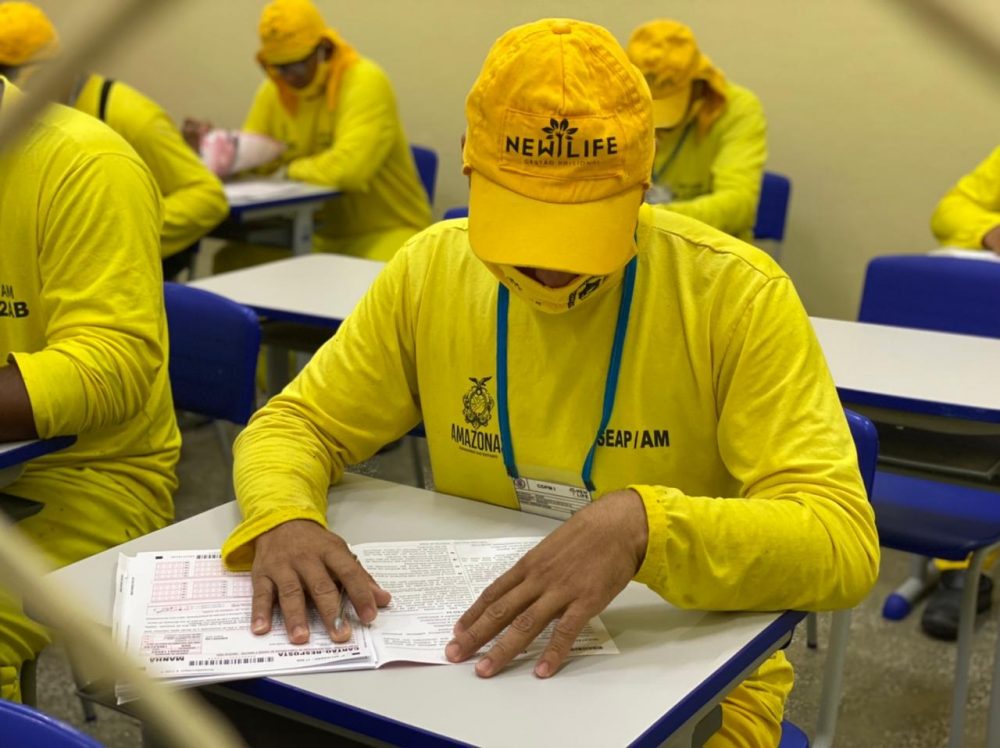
(966, 622)
(833, 677)
(302, 231)
(993, 726)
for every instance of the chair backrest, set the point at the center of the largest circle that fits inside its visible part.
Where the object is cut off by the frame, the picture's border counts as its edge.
(866, 443)
(947, 294)
(460, 211)
(214, 344)
(21, 725)
(772, 207)
(427, 167)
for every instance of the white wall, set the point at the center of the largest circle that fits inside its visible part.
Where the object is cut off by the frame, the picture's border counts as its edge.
(875, 106)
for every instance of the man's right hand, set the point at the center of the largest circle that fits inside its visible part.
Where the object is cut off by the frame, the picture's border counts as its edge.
(298, 558)
(194, 130)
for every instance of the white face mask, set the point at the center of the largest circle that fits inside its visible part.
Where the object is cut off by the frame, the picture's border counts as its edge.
(581, 289)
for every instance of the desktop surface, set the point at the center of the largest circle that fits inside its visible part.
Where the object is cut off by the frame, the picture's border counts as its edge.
(673, 663)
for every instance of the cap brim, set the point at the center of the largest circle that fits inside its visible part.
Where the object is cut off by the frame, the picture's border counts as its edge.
(593, 238)
(669, 112)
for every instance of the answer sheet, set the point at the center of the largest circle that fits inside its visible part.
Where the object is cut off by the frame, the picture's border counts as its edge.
(187, 619)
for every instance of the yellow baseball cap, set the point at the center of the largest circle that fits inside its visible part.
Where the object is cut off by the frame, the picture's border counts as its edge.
(667, 55)
(26, 34)
(289, 31)
(559, 148)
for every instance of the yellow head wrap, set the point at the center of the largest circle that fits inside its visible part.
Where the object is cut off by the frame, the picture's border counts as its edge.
(289, 31)
(26, 34)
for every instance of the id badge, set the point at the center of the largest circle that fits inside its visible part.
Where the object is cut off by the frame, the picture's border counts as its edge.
(658, 194)
(549, 498)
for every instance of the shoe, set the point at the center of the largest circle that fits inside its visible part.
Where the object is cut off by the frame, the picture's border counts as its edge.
(940, 617)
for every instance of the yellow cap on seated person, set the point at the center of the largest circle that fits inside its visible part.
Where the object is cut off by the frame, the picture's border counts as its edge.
(26, 34)
(559, 147)
(289, 31)
(666, 53)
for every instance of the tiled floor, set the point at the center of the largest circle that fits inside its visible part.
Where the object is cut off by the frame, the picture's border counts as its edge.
(897, 681)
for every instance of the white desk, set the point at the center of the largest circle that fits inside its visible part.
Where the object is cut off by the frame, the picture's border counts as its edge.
(935, 373)
(316, 289)
(13, 455)
(986, 255)
(296, 201)
(674, 667)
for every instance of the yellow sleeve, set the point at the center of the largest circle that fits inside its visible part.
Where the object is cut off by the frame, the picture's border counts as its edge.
(358, 393)
(363, 134)
(103, 306)
(258, 119)
(193, 199)
(971, 208)
(737, 170)
(802, 532)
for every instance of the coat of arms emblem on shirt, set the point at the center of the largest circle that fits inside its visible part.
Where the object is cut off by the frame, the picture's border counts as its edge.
(478, 403)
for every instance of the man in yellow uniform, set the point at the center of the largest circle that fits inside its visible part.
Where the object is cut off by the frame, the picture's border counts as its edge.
(969, 215)
(83, 349)
(193, 200)
(568, 333)
(711, 135)
(336, 113)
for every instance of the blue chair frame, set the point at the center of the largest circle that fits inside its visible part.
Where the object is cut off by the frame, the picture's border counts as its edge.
(924, 516)
(21, 725)
(426, 161)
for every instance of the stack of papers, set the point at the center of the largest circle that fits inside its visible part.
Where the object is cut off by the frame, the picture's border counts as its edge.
(186, 619)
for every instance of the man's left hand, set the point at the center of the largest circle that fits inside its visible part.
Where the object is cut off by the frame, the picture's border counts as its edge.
(571, 575)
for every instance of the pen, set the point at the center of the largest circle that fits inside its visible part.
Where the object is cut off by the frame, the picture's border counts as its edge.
(338, 622)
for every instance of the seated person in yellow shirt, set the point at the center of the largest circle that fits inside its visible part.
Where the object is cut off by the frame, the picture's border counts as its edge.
(193, 200)
(711, 135)
(336, 113)
(83, 349)
(721, 468)
(969, 215)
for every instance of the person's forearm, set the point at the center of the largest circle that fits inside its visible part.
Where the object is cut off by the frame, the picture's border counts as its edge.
(16, 419)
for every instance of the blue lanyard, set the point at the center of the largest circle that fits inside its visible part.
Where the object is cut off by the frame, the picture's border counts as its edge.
(610, 387)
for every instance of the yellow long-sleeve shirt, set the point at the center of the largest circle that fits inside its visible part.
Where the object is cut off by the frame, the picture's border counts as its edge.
(971, 208)
(358, 147)
(716, 177)
(726, 419)
(193, 198)
(81, 313)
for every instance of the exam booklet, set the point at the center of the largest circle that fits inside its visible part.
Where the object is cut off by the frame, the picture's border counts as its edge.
(186, 619)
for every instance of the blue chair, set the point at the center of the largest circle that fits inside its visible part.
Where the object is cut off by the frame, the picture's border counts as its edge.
(926, 515)
(866, 445)
(214, 343)
(213, 353)
(772, 207)
(457, 212)
(427, 168)
(21, 725)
